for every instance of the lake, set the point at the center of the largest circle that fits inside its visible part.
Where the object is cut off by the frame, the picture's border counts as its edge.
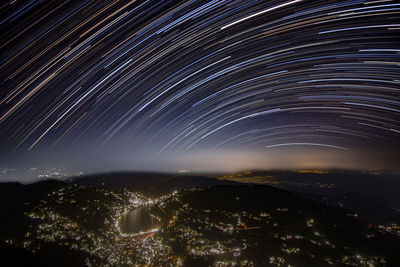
(138, 220)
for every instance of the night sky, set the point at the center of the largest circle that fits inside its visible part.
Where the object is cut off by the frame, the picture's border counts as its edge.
(200, 85)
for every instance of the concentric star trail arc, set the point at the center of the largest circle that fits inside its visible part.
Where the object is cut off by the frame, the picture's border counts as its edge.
(170, 76)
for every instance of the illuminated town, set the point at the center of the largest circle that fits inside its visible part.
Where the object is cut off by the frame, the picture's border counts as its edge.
(220, 230)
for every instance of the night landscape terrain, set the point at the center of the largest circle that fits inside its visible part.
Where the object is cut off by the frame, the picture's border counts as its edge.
(200, 133)
(200, 221)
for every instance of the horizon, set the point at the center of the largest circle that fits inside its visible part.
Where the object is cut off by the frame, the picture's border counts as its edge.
(26, 176)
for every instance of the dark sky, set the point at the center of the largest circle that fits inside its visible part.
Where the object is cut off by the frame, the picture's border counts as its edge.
(201, 85)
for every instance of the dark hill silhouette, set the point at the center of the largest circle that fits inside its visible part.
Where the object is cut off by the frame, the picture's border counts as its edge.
(15, 199)
(151, 183)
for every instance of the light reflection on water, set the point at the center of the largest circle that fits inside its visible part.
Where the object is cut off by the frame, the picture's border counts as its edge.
(138, 220)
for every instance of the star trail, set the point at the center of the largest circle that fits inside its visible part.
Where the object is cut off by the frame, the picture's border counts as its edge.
(200, 76)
